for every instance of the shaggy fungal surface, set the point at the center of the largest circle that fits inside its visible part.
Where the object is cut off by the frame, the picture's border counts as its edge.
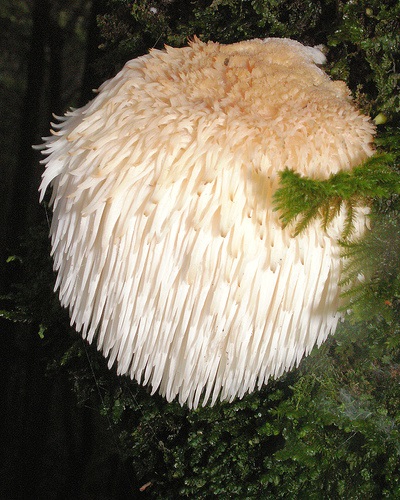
(166, 245)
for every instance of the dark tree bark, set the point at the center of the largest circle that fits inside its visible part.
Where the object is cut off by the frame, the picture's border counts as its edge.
(27, 172)
(90, 79)
(17, 348)
(45, 439)
(56, 44)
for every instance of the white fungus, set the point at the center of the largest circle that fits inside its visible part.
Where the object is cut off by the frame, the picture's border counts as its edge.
(165, 242)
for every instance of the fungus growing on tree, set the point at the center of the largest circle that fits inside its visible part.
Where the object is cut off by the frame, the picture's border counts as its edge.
(166, 245)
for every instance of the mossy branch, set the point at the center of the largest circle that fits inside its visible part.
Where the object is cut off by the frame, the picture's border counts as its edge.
(301, 200)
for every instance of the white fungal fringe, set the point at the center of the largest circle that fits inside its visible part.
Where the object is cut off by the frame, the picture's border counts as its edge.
(164, 239)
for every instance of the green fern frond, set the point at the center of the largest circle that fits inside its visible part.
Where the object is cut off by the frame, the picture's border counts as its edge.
(301, 200)
(334, 206)
(377, 258)
(296, 195)
(304, 221)
(350, 220)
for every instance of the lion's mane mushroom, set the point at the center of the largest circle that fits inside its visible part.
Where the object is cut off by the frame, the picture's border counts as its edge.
(164, 237)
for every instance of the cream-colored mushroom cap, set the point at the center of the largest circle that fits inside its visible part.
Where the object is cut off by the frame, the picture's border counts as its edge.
(164, 238)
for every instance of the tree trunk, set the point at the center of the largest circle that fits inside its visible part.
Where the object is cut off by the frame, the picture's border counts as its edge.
(90, 79)
(24, 197)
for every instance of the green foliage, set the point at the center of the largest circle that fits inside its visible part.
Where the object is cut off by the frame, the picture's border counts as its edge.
(302, 200)
(377, 259)
(366, 51)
